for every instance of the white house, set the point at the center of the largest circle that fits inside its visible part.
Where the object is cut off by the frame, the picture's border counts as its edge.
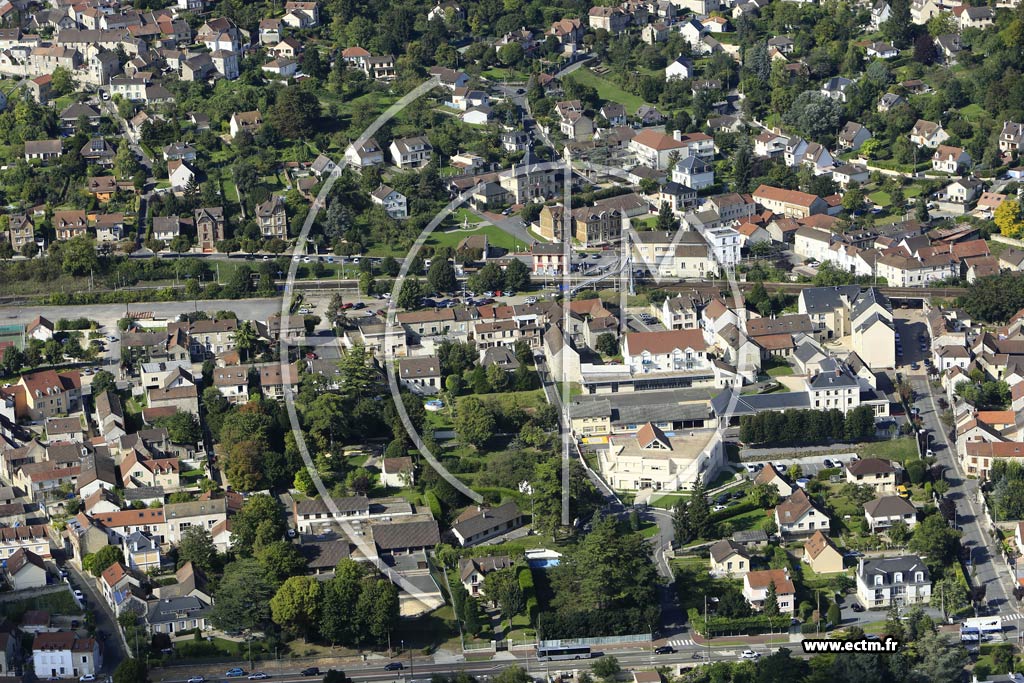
(667, 351)
(680, 68)
(393, 201)
(893, 580)
(62, 654)
(694, 172)
(411, 152)
(757, 583)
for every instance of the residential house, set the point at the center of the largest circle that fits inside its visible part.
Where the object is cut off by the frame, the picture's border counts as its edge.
(886, 581)
(397, 472)
(478, 524)
(837, 88)
(48, 393)
(693, 172)
(822, 555)
(301, 15)
(232, 383)
(209, 225)
(789, 203)
(20, 231)
(272, 218)
(39, 328)
(729, 559)
(411, 152)
(422, 374)
(953, 160)
(874, 472)
(472, 571)
(885, 511)
(797, 516)
(652, 149)
(247, 121)
(757, 583)
(393, 201)
(24, 570)
(62, 654)
(853, 135)
(611, 19)
(43, 150)
(928, 134)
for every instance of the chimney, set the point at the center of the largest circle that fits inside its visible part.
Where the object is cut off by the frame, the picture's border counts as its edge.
(677, 135)
(860, 566)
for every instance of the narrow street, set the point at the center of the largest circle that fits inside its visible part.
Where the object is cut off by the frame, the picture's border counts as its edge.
(113, 646)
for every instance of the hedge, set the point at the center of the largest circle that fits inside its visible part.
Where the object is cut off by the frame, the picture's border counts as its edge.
(733, 511)
(530, 593)
(74, 324)
(754, 625)
(434, 504)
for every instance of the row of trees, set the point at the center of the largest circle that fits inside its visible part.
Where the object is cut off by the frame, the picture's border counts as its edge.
(808, 426)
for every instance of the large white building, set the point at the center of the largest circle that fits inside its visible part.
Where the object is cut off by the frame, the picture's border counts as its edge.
(62, 654)
(653, 459)
(886, 581)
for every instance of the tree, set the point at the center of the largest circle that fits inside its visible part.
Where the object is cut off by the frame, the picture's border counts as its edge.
(513, 674)
(606, 344)
(939, 659)
(296, 112)
(78, 256)
(936, 541)
(410, 295)
(245, 339)
(742, 165)
(899, 533)
(196, 546)
(243, 597)
(341, 594)
(441, 276)
(667, 221)
(511, 54)
(1008, 219)
(63, 82)
(853, 199)
(281, 560)
(771, 597)
(517, 276)
(474, 421)
(182, 427)
(607, 667)
(102, 558)
(951, 595)
(897, 29)
(835, 614)
(102, 382)
(260, 521)
(131, 670)
(502, 588)
(243, 465)
(296, 605)
(814, 115)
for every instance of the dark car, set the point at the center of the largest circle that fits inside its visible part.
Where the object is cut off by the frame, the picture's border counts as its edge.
(722, 499)
(665, 650)
(394, 666)
(358, 305)
(311, 671)
(857, 607)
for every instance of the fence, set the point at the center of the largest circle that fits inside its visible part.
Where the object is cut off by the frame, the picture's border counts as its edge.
(603, 640)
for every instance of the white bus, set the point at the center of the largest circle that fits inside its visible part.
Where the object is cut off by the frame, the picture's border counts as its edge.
(549, 654)
(985, 625)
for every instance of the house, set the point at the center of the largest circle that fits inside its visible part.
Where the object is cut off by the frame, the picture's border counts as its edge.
(769, 475)
(652, 149)
(232, 383)
(853, 135)
(420, 373)
(729, 559)
(40, 328)
(102, 187)
(889, 101)
(847, 174)
(953, 160)
(649, 458)
(247, 121)
(407, 536)
(209, 224)
(24, 570)
(48, 393)
(928, 134)
(179, 175)
(98, 151)
(974, 17)
(680, 68)
(272, 218)
(43, 150)
(393, 201)
(757, 583)
(797, 516)
(822, 555)
(874, 472)
(667, 351)
(473, 570)
(789, 203)
(62, 654)
(893, 581)
(478, 524)
(20, 231)
(1011, 137)
(770, 145)
(548, 259)
(175, 614)
(881, 513)
(166, 228)
(693, 172)
(881, 50)
(880, 13)
(397, 472)
(611, 19)
(411, 152)
(301, 15)
(837, 88)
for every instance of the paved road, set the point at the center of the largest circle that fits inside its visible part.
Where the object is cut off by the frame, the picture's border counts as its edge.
(114, 650)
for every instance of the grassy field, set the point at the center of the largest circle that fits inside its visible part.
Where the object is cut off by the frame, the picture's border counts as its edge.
(972, 112)
(881, 198)
(608, 90)
(61, 602)
(900, 450)
(495, 236)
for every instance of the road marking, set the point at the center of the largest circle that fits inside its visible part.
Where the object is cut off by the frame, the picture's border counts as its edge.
(1013, 617)
(681, 642)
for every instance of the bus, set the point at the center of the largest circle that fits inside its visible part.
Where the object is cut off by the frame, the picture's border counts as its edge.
(549, 654)
(969, 634)
(985, 625)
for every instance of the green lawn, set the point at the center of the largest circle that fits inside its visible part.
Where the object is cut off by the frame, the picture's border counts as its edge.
(779, 369)
(607, 90)
(912, 190)
(667, 501)
(495, 236)
(972, 112)
(60, 602)
(900, 450)
(881, 198)
(229, 190)
(574, 389)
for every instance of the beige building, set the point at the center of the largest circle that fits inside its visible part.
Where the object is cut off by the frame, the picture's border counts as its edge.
(729, 559)
(756, 584)
(874, 472)
(822, 555)
(649, 459)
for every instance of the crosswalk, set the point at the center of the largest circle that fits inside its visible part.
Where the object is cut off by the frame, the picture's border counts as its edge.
(681, 642)
(1013, 617)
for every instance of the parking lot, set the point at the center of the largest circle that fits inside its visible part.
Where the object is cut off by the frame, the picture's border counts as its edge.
(810, 466)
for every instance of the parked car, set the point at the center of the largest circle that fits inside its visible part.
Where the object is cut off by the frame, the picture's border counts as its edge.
(780, 468)
(718, 508)
(828, 464)
(236, 672)
(258, 676)
(750, 467)
(87, 678)
(359, 304)
(80, 595)
(530, 300)
(857, 607)
(196, 679)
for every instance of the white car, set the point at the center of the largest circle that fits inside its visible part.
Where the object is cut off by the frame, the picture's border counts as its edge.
(197, 679)
(749, 654)
(718, 508)
(530, 300)
(87, 678)
(79, 594)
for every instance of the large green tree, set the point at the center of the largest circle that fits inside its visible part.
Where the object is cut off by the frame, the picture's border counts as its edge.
(296, 605)
(242, 601)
